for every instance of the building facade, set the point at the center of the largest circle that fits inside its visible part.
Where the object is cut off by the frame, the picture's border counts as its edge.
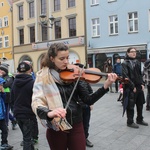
(6, 40)
(115, 25)
(32, 39)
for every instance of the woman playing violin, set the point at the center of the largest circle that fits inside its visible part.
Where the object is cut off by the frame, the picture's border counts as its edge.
(50, 97)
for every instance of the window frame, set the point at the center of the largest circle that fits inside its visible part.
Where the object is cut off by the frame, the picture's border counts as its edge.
(31, 9)
(43, 7)
(113, 23)
(6, 41)
(74, 25)
(57, 29)
(32, 38)
(94, 2)
(57, 5)
(133, 20)
(21, 36)
(6, 21)
(97, 27)
(1, 42)
(71, 3)
(20, 12)
(1, 22)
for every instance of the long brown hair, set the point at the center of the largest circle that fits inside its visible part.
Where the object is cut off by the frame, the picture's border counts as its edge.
(52, 52)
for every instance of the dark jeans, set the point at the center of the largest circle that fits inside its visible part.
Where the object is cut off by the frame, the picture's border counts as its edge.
(26, 127)
(73, 139)
(35, 130)
(116, 85)
(86, 119)
(9, 116)
(148, 97)
(138, 100)
(4, 134)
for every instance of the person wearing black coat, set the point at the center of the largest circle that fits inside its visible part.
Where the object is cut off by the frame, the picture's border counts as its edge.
(21, 96)
(133, 90)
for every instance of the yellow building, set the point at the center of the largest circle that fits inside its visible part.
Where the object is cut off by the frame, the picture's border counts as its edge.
(6, 40)
(32, 39)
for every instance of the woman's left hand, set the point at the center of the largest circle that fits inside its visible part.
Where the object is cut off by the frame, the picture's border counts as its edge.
(110, 79)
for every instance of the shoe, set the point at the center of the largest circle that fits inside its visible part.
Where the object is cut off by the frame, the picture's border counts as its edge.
(14, 124)
(116, 92)
(142, 123)
(34, 141)
(6, 147)
(147, 108)
(133, 125)
(88, 143)
(111, 91)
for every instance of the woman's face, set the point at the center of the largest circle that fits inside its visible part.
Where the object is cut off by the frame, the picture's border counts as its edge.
(61, 60)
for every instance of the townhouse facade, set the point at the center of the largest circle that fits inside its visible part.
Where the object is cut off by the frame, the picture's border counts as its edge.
(115, 25)
(6, 40)
(32, 39)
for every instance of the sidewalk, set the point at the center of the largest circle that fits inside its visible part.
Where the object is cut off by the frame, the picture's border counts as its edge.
(108, 130)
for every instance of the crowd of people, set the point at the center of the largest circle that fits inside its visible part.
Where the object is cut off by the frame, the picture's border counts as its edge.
(65, 105)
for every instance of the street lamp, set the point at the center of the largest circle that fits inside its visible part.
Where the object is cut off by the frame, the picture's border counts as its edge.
(44, 21)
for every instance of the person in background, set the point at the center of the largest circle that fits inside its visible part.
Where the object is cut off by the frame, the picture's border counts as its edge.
(51, 94)
(35, 128)
(8, 77)
(3, 126)
(86, 111)
(133, 90)
(108, 68)
(146, 78)
(117, 69)
(21, 95)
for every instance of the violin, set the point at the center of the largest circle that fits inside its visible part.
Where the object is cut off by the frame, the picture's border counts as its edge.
(91, 75)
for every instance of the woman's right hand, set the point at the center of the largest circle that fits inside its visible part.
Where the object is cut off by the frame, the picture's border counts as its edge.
(58, 112)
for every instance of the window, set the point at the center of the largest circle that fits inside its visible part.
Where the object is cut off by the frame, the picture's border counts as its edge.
(43, 6)
(57, 29)
(133, 22)
(20, 12)
(5, 21)
(113, 24)
(44, 33)
(56, 5)
(6, 41)
(1, 23)
(112, 0)
(32, 34)
(31, 9)
(21, 36)
(71, 3)
(94, 2)
(95, 27)
(72, 27)
(1, 44)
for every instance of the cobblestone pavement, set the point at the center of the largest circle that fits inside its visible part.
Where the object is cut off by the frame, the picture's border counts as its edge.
(108, 130)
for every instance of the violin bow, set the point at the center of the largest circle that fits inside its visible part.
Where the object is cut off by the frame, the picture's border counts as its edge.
(74, 88)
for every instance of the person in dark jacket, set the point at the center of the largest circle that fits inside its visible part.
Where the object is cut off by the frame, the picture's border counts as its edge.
(51, 100)
(133, 90)
(21, 95)
(86, 111)
(7, 89)
(108, 68)
(146, 77)
(3, 126)
(117, 69)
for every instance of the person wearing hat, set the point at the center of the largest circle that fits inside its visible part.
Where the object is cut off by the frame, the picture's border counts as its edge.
(8, 77)
(3, 126)
(21, 95)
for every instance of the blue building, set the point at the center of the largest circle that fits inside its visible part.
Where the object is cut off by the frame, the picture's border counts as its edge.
(113, 26)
